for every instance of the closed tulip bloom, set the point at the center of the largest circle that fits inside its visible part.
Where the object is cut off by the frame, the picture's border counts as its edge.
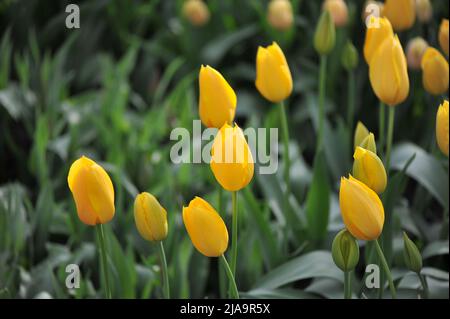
(442, 129)
(325, 34)
(369, 143)
(196, 11)
(361, 132)
(279, 14)
(443, 36)
(231, 159)
(380, 29)
(150, 217)
(205, 227)
(434, 72)
(361, 209)
(424, 10)
(401, 13)
(338, 10)
(388, 72)
(369, 169)
(414, 52)
(217, 102)
(273, 77)
(92, 191)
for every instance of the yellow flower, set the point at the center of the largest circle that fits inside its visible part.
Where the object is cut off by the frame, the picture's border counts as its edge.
(380, 29)
(217, 102)
(424, 10)
(434, 72)
(389, 73)
(401, 13)
(279, 14)
(369, 143)
(361, 209)
(369, 169)
(92, 191)
(415, 51)
(205, 227)
(338, 10)
(361, 132)
(196, 11)
(231, 158)
(443, 35)
(150, 217)
(273, 77)
(442, 129)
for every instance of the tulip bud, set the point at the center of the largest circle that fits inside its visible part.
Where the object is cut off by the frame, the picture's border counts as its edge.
(279, 14)
(379, 30)
(369, 143)
(424, 10)
(361, 132)
(388, 72)
(369, 169)
(443, 36)
(415, 51)
(217, 102)
(273, 77)
(92, 191)
(413, 259)
(434, 72)
(401, 13)
(349, 58)
(361, 209)
(345, 251)
(442, 127)
(338, 10)
(231, 159)
(150, 217)
(196, 11)
(325, 35)
(205, 227)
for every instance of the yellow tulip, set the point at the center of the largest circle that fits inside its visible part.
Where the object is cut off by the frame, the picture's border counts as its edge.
(442, 129)
(338, 10)
(443, 36)
(401, 13)
(279, 14)
(150, 217)
(273, 77)
(217, 102)
(424, 10)
(92, 191)
(231, 158)
(369, 143)
(361, 209)
(415, 51)
(205, 227)
(434, 72)
(389, 73)
(196, 11)
(361, 132)
(369, 169)
(380, 29)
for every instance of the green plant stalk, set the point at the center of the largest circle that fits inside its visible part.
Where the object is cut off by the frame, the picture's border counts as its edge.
(101, 240)
(390, 136)
(387, 271)
(234, 235)
(381, 125)
(164, 272)
(347, 285)
(322, 87)
(233, 288)
(222, 274)
(351, 102)
(423, 281)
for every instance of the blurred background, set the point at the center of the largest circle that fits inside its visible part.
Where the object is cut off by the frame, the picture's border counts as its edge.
(115, 88)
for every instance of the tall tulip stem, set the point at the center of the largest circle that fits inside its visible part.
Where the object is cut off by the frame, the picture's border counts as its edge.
(287, 162)
(165, 274)
(423, 281)
(381, 124)
(322, 87)
(390, 136)
(222, 279)
(351, 100)
(233, 288)
(101, 240)
(347, 285)
(385, 266)
(234, 229)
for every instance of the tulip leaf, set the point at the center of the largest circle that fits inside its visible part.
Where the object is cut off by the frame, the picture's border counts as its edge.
(286, 293)
(437, 248)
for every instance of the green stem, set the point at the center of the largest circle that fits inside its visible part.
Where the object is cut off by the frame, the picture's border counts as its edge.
(390, 136)
(423, 281)
(322, 87)
(381, 125)
(234, 230)
(222, 275)
(351, 101)
(165, 274)
(287, 162)
(347, 285)
(233, 288)
(387, 271)
(101, 240)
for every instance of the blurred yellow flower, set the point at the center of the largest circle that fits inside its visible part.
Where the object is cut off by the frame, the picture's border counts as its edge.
(150, 217)
(424, 10)
(361, 209)
(217, 102)
(443, 35)
(205, 227)
(92, 191)
(231, 158)
(434, 72)
(401, 13)
(196, 11)
(273, 77)
(388, 72)
(415, 51)
(338, 10)
(279, 14)
(379, 30)
(369, 169)
(442, 129)
(361, 132)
